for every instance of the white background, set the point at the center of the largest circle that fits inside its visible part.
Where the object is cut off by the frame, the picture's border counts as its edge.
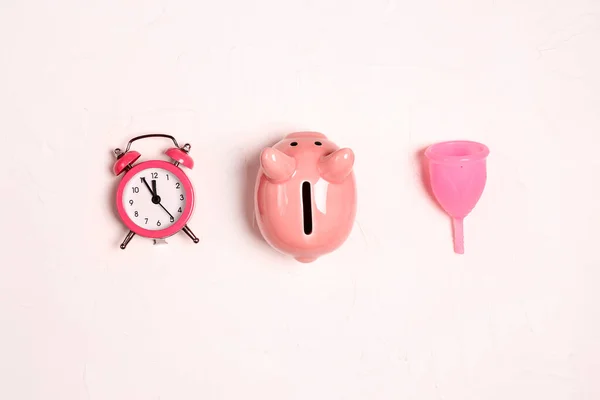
(393, 314)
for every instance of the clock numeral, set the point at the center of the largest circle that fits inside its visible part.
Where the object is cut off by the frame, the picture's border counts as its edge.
(146, 221)
(136, 214)
(179, 210)
(158, 223)
(154, 175)
(130, 202)
(167, 176)
(181, 197)
(177, 185)
(135, 189)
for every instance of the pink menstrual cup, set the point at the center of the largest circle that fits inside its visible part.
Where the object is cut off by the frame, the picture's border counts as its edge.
(457, 173)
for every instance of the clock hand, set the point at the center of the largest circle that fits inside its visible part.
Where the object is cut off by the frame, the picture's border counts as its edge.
(155, 198)
(163, 207)
(148, 186)
(154, 188)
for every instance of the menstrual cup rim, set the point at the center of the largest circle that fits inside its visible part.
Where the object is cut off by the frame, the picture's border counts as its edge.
(433, 155)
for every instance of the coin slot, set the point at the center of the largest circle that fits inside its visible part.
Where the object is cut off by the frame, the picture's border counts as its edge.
(307, 208)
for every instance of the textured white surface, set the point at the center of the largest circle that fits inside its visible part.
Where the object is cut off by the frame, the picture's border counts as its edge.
(394, 314)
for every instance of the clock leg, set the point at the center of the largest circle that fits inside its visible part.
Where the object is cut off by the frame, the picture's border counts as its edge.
(128, 238)
(189, 232)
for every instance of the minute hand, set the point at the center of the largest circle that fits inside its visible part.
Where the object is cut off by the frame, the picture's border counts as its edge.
(148, 186)
(163, 207)
(157, 199)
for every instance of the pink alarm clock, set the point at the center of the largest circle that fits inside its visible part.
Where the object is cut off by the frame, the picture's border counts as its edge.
(155, 198)
(305, 198)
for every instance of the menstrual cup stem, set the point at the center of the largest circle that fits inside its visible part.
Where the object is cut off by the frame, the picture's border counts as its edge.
(459, 236)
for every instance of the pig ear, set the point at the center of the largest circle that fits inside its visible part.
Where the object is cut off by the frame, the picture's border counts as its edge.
(277, 166)
(337, 166)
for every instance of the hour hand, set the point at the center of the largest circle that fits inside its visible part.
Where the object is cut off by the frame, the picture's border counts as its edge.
(154, 192)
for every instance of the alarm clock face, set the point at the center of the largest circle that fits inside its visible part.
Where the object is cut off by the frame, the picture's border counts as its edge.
(155, 199)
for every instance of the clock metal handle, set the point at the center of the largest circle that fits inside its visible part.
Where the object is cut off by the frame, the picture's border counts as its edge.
(119, 153)
(151, 135)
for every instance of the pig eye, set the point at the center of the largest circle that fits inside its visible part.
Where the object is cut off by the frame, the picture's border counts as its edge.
(318, 143)
(294, 144)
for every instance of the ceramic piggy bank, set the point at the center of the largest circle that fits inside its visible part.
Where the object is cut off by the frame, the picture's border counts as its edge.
(305, 198)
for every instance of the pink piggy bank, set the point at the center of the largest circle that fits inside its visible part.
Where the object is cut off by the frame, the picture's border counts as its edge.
(305, 198)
